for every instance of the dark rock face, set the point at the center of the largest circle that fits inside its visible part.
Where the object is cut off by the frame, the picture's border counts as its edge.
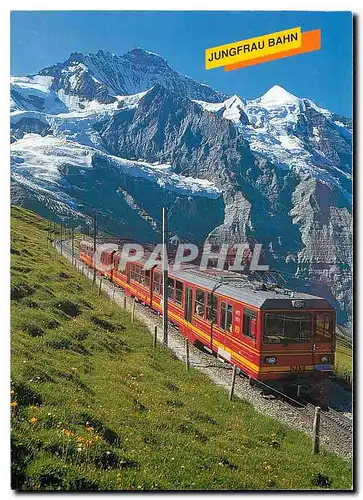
(33, 100)
(29, 126)
(133, 209)
(167, 127)
(281, 165)
(323, 137)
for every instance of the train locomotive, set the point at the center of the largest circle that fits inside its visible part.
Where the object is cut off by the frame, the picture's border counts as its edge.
(271, 334)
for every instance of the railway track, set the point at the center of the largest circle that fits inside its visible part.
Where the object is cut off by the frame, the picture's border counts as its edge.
(333, 423)
(342, 423)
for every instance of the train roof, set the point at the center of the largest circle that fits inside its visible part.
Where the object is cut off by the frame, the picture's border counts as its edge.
(246, 288)
(239, 287)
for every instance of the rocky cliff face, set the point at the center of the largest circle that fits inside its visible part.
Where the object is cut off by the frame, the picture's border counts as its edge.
(127, 134)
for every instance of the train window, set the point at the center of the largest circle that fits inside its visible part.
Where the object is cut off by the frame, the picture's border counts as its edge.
(226, 314)
(199, 302)
(117, 265)
(132, 271)
(249, 323)
(178, 292)
(222, 315)
(285, 328)
(324, 326)
(171, 289)
(136, 273)
(157, 284)
(211, 307)
(146, 275)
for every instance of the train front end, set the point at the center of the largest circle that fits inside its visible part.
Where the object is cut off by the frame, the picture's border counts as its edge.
(297, 344)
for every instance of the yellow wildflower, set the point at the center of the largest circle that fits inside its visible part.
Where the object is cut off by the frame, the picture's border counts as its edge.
(12, 392)
(33, 420)
(90, 429)
(67, 432)
(80, 439)
(14, 404)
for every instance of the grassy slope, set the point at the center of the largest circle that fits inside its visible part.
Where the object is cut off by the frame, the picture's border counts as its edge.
(95, 407)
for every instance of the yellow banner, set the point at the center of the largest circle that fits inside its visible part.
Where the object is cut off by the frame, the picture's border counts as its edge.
(253, 48)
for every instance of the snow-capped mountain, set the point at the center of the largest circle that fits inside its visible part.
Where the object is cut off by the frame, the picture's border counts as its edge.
(128, 134)
(294, 133)
(102, 78)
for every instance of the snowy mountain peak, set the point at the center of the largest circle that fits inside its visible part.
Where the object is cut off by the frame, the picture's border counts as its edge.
(76, 57)
(235, 100)
(103, 76)
(140, 53)
(277, 96)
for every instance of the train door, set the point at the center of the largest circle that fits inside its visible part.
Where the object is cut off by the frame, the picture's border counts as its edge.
(225, 326)
(188, 304)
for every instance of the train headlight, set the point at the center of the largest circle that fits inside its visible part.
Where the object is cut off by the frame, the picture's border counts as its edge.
(325, 359)
(271, 360)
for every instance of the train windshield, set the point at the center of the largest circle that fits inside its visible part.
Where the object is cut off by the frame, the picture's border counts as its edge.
(287, 328)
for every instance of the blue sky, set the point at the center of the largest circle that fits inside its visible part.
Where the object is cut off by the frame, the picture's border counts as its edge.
(40, 39)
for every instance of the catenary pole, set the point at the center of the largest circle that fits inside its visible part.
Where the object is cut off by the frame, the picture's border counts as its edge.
(72, 245)
(61, 238)
(165, 275)
(94, 246)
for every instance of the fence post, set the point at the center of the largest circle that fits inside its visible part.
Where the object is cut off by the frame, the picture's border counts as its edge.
(99, 288)
(316, 430)
(133, 309)
(155, 336)
(113, 293)
(231, 390)
(187, 364)
(125, 302)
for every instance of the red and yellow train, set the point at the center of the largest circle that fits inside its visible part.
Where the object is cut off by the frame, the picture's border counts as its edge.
(271, 334)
